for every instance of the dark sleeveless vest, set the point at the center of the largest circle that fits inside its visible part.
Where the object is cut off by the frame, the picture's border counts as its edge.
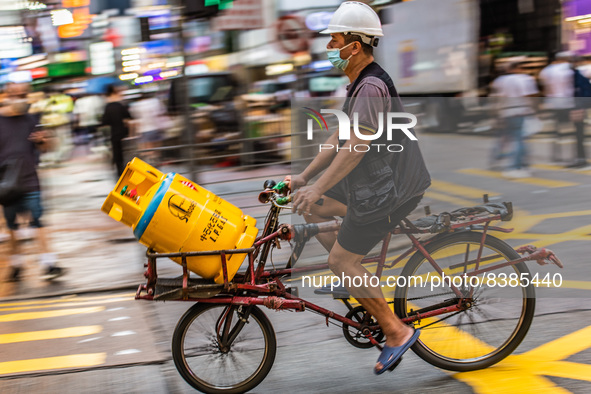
(383, 180)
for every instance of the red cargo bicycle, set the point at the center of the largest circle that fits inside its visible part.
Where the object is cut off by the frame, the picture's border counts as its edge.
(470, 293)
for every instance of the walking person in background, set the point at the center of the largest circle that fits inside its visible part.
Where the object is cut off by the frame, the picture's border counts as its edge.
(19, 142)
(88, 110)
(116, 116)
(514, 90)
(147, 114)
(578, 115)
(557, 80)
(58, 116)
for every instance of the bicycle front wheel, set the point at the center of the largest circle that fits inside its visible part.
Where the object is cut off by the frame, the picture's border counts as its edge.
(212, 364)
(498, 312)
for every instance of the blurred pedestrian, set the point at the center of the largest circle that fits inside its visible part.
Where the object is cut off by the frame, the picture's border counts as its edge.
(148, 114)
(514, 90)
(88, 110)
(58, 116)
(557, 80)
(18, 143)
(582, 104)
(117, 117)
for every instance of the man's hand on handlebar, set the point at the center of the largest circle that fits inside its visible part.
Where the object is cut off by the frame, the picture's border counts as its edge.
(304, 199)
(294, 182)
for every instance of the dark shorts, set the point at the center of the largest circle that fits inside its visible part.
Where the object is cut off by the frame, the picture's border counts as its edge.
(30, 202)
(338, 192)
(360, 239)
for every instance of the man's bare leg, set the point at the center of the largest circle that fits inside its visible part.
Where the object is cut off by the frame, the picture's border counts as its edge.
(343, 262)
(330, 209)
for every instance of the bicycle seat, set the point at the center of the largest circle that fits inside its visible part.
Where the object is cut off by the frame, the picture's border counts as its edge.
(339, 292)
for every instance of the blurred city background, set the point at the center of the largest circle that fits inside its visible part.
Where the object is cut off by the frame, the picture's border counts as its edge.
(209, 87)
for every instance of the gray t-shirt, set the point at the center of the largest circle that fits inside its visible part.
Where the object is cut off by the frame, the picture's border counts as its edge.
(14, 143)
(370, 98)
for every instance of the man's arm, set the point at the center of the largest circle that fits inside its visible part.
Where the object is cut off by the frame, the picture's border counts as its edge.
(343, 163)
(322, 160)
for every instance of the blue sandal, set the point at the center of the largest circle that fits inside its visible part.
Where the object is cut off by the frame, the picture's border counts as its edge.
(391, 356)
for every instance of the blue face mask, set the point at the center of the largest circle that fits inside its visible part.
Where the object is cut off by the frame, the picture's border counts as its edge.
(334, 56)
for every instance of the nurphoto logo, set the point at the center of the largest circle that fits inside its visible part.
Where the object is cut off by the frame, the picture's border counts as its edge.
(345, 129)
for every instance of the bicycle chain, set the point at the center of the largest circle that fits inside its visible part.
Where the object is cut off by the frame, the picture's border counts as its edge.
(430, 296)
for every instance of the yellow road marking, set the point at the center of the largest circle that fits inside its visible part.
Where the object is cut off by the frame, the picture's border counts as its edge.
(46, 314)
(460, 202)
(50, 334)
(459, 190)
(48, 363)
(550, 183)
(65, 305)
(564, 347)
(66, 299)
(549, 167)
(525, 372)
(553, 167)
(575, 284)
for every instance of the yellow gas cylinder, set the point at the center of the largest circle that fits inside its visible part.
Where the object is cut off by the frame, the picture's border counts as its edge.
(168, 213)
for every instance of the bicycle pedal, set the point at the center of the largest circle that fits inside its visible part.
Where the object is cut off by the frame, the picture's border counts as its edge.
(395, 365)
(293, 291)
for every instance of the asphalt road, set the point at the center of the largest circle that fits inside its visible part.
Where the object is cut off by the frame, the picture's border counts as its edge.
(107, 342)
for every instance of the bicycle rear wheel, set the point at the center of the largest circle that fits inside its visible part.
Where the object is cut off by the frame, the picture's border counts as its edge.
(498, 317)
(210, 364)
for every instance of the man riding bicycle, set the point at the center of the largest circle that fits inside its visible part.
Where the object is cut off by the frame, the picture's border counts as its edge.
(372, 190)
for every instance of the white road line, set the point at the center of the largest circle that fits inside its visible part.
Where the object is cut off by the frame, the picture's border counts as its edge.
(123, 333)
(127, 351)
(115, 309)
(89, 339)
(119, 318)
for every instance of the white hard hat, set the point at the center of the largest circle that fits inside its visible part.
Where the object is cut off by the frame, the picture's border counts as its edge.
(356, 17)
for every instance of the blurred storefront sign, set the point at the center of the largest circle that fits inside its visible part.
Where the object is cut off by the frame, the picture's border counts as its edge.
(62, 17)
(210, 64)
(244, 15)
(40, 72)
(81, 18)
(577, 18)
(72, 56)
(8, 18)
(16, 77)
(47, 34)
(31, 62)
(15, 43)
(102, 58)
(276, 69)
(291, 5)
(66, 69)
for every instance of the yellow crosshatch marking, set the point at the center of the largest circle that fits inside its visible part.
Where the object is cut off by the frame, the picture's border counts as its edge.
(64, 305)
(553, 167)
(459, 190)
(49, 363)
(550, 183)
(73, 298)
(50, 334)
(47, 314)
(525, 372)
(459, 202)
